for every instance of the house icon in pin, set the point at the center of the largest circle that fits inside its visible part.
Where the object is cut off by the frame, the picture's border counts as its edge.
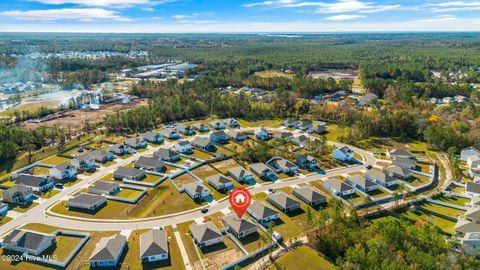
(240, 199)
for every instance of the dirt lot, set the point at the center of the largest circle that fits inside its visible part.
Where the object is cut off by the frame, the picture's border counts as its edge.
(74, 117)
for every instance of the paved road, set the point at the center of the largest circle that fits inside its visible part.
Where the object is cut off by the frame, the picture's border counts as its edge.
(38, 213)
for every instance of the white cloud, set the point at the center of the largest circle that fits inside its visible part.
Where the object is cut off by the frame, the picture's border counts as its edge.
(148, 9)
(83, 14)
(196, 21)
(106, 3)
(455, 6)
(442, 18)
(345, 17)
(192, 16)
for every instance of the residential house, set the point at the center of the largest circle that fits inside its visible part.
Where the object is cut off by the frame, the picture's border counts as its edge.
(290, 123)
(204, 144)
(201, 127)
(167, 155)
(283, 135)
(183, 147)
(101, 156)
(281, 165)
(135, 143)
(123, 173)
(240, 174)
(29, 242)
(18, 194)
(231, 122)
(381, 178)
(240, 227)
(472, 189)
(343, 153)
(283, 202)
(367, 99)
(319, 128)
(262, 171)
(473, 163)
(170, 133)
(468, 152)
(338, 187)
(309, 195)
(86, 201)
(119, 149)
(153, 137)
(403, 162)
(84, 162)
(149, 164)
(3, 209)
(306, 162)
(398, 172)
(220, 182)
(219, 137)
(399, 153)
(153, 246)
(262, 133)
(471, 243)
(470, 223)
(236, 135)
(304, 125)
(301, 141)
(217, 125)
(196, 191)
(262, 213)
(108, 251)
(38, 184)
(104, 188)
(64, 171)
(205, 234)
(185, 129)
(361, 183)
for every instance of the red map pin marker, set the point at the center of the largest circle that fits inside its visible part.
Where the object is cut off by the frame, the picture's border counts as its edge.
(240, 200)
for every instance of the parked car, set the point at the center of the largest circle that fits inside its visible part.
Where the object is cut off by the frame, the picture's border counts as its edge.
(59, 185)
(204, 210)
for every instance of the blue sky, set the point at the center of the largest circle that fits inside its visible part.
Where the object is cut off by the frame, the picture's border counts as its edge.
(167, 16)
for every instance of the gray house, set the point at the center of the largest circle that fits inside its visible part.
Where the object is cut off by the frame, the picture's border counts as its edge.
(219, 182)
(64, 171)
(86, 201)
(231, 122)
(289, 123)
(135, 143)
(236, 135)
(398, 172)
(407, 163)
(32, 243)
(108, 251)
(309, 195)
(104, 188)
(119, 149)
(150, 164)
(283, 202)
(261, 170)
(84, 162)
(381, 178)
(203, 143)
(338, 187)
(241, 227)
(304, 125)
(185, 129)
(101, 156)
(153, 137)
(196, 191)
(262, 213)
(167, 155)
(306, 162)
(301, 141)
(219, 137)
(18, 194)
(127, 173)
(38, 184)
(283, 135)
(361, 183)
(240, 174)
(201, 127)
(153, 246)
(281, 165)
(205, 234)
(170, 133)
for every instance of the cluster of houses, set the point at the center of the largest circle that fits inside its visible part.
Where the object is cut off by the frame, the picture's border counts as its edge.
(258, 92)
(306, 125)
(166, 70)
(18, 87)
(24, 190)
(449, 100)
(362, 101)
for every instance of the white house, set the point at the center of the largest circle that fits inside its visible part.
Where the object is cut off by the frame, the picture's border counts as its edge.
(343, 154)
(64, 171)
(183, 147)
(468, 152)
(338, 187)
(153, 246)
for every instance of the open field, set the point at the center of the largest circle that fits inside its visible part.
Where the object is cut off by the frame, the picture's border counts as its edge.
(444, 224)
(452, 212)
(55, 160)
(274, 74)
(455, 200)
(303, 258)
(216, 256)
(49, 193)
(112, 210)
(128, 193)
(183, 179)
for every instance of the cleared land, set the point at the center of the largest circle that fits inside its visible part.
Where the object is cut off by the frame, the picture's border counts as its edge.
(303, 258)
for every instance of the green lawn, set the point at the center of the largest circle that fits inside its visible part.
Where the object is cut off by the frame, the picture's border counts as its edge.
(24, 209)
(201, 155)
(128, 193)
(112, 210)
(49, 193)
(417, 180)
(448, 211)
(150, 178)
(377, 193)
(455, 200)
(444, 224)
(55, 160)
(303, 258)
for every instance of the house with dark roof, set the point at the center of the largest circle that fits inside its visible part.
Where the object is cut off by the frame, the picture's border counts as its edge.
(135, 143)
(84, 162)
(338, 187)
(381, 178)
(472, 189)
(183, 147)
(231, 122)
(101, 156)
(108, 251)
(217, 125)
(152, 137)
(361, 183)
(120, 149)
(399, 153)
(131, 174)
(104, 188)
(18, 194)
(469, 223)
(240, 174)
(196, 191)
(262, 171)
(201, 127)
(167, 155)
(220, 182)
(309, 195)
(154, 246)
(236, 135)
(262, 133)
(64, 171)
(205, 234)
(404, 162)
(304, 125)
(283, 202)
(170, 133)
(87, 201)
(398, 172)
(38, 184)
(301, 141)
(290, 123)
(185, 129)
(306, 162)
(32, 243)
(282, 135)
(281, 165)
(240, 227)
(319, 128)
(262, 213)
(203, 143)
(149, 164)
(343, 153)
(219, 137)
